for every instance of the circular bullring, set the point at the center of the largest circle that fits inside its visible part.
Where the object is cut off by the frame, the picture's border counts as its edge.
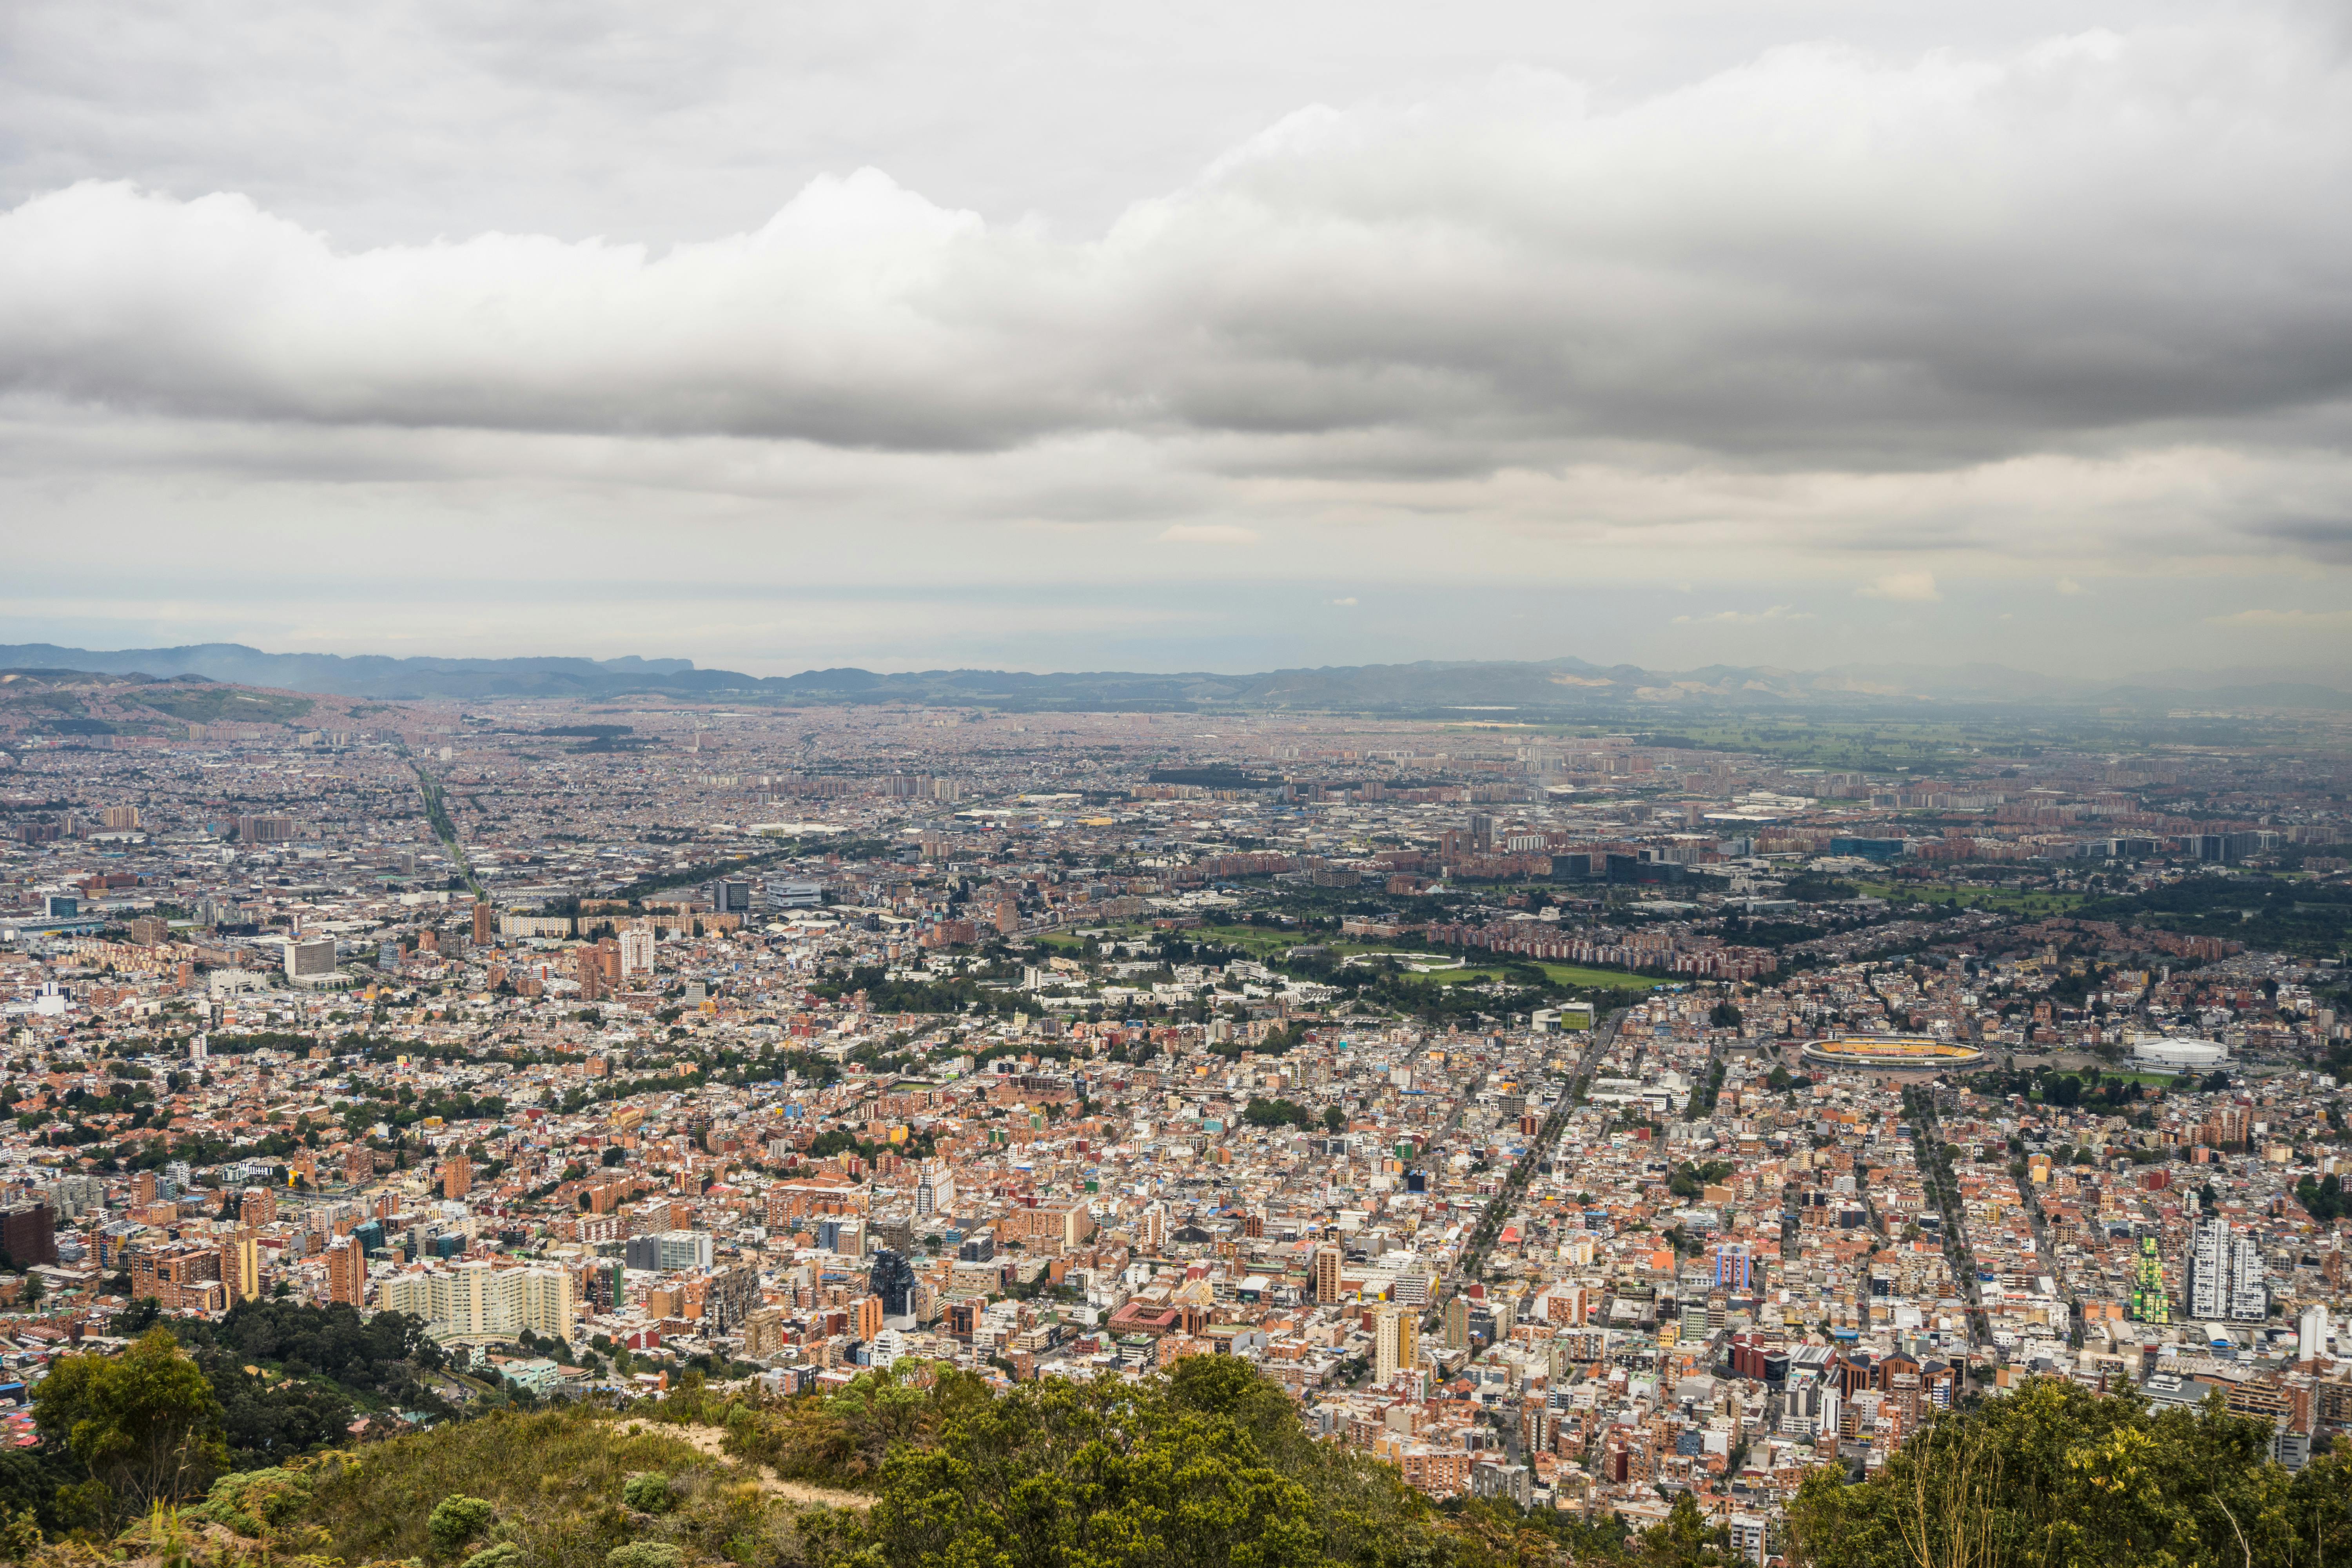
(1893, 1053)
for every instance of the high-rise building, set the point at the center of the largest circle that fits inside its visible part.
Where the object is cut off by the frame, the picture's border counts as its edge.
(2151, 1302)
(935, 1189)
(2225, 1275)
(2250, 1294)
(731, 1296)
(120, 818)
(483, 917)
(346, 1273)
(667, 1251)
(28, 1234)
(240, 1266)
(1732, 1264)
(2311, 1333)
(257, 1207)
(866, 1319)
(457, 1177)
(892, 1280)
(1457, 1323)
(477, 1300)
(1396, 1344)
(308, 959)
(636, 952)
(1327, 1273)
(2208, 1251)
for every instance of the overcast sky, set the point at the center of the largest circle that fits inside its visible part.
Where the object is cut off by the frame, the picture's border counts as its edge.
(1214, 336)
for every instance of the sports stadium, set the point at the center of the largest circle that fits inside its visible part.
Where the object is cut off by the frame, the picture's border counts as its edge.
(1893, 1053)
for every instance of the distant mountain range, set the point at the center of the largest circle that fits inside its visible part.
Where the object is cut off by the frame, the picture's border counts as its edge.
(1553, 687)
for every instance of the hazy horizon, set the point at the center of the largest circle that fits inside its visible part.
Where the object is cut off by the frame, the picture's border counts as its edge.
(1923, 672)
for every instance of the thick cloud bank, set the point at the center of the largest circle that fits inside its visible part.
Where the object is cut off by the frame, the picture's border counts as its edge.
(1820, 260)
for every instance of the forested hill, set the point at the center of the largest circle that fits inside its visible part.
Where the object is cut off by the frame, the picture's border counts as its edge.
(1206, 1466)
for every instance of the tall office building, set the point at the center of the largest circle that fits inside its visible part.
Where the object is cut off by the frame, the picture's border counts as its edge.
(1396, 1344)
(457, 1177)
(483, 916)
(892, 1280)
(309, 960)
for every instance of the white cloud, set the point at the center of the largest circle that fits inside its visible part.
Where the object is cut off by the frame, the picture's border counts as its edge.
(1819, 256)
(1916, 587)
(1345, 601)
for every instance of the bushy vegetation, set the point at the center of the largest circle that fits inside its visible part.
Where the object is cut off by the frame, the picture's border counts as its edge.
(926, 1466)
(2056, 1477)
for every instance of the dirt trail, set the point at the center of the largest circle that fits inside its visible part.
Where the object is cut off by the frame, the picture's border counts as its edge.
(712, 1440)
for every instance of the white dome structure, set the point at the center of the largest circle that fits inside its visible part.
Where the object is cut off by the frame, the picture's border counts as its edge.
(2180, 1055)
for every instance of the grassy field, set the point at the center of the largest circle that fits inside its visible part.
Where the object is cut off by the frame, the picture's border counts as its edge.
(1577, 975)
(2006, 901)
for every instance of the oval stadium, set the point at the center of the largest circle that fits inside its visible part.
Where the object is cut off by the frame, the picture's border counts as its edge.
(2179, 1055)
(1893, 1053)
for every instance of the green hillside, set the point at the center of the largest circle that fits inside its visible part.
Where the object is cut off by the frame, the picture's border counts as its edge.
(1205, 1465)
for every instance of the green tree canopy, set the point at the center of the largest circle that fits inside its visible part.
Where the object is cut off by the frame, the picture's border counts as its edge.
(2056, 1477)
(143, 1423)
